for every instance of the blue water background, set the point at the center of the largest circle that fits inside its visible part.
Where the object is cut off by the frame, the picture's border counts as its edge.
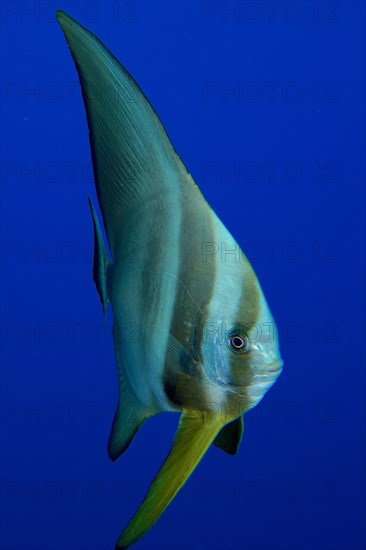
(298, 480)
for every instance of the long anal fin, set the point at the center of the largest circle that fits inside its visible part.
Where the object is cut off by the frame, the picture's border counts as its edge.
(127, 422)
(130, 414)
(195, 434)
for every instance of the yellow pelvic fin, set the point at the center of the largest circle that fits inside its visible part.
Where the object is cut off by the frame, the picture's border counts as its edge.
(195, 434)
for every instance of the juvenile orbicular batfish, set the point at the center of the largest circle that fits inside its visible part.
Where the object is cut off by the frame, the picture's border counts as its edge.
(192, 330)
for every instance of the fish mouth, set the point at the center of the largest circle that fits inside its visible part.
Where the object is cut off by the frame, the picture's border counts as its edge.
(269, 375)
(275, 367)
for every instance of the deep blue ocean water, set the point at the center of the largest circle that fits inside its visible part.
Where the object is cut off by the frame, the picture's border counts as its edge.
(265, 102)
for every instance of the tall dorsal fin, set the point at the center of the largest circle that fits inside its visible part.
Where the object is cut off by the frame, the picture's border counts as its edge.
(133, 158)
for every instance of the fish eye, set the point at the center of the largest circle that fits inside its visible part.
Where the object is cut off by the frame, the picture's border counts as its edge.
(238, 343)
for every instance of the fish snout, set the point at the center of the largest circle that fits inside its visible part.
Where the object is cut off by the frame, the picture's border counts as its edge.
(267, 369)
(275, 367)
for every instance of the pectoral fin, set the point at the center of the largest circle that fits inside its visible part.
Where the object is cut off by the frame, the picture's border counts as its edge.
(101, 261)
(230, 436)
(195, 434)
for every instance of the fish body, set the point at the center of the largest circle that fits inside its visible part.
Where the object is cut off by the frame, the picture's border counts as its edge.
(193, 332)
